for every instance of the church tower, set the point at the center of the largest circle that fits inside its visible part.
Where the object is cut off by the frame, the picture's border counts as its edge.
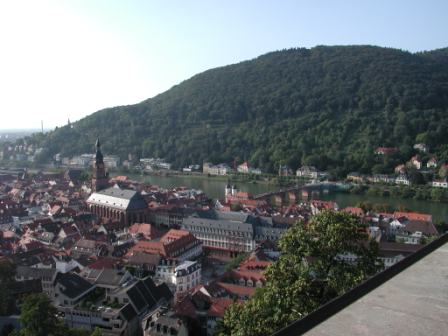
(100, 179)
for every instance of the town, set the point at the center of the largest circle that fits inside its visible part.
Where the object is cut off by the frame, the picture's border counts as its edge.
(132, 258)
(423, 168)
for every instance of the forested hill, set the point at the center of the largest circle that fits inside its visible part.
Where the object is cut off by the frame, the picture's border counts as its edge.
(325, 106)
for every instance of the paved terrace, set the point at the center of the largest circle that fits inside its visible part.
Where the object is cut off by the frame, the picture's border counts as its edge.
(410, 298)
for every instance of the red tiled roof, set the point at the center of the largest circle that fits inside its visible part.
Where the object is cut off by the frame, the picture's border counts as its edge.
(243, 194)
(148, 230)
(254, 264)
(120, 178)
(240, 291)
(354, 211)
(413, 216)
(168, 246)
(246, 274)
(219, 306)
(324, 204)
(185, 307)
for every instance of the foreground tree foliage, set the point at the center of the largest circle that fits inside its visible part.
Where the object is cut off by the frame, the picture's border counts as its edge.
(39, 318)
(7, 273)
(309, 273)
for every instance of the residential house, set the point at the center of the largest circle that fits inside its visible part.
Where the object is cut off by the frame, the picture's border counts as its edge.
(65, 264)
(186, 276)
(284, 170)
(432, 163)
(409, 238)
(416, 162)
(421, 147)
(402, 179)
(144, 230)
(355, 177)
(45, 275)
(202, 306)
(358, 212)
(111, 161)
(88, 248)
(382, 178)
(175, 244)
(440, 183)
(318, 206)
(161, 322)
(391, 253)
(244, 168)
(117, 309)
(220, 169)
(144, 262)
(400, 169)
(310, 172)
(69, 289)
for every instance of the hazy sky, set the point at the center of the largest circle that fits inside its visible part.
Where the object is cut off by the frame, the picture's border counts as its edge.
(67, 59)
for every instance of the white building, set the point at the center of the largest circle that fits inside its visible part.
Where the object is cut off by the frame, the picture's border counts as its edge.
(440, 183)
(186, 276)
(111, 161)
(402, 179)
(421, 147)
(307, 172)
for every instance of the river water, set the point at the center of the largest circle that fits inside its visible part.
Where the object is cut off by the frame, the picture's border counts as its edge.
(215, 188)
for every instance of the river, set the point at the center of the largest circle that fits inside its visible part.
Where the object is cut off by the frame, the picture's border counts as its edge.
(215, 188)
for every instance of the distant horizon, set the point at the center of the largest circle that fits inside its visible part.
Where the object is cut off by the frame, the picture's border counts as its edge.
(26, 129)
(71, 59)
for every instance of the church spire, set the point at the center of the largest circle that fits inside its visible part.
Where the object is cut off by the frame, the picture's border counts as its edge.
(98, 155)
(100, 177)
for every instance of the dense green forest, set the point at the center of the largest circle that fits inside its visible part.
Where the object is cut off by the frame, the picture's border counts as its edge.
(326, 106)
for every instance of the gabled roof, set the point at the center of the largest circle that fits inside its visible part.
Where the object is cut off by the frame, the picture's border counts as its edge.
(144, 294)
(122, 199)
(136, 298)
(28, 272)
(110, 277)
(72, 284)
(413, 216)
(427, 228)
(219, 306)
(140, 258)
(164, 292)
(128, 312)
(240, 291)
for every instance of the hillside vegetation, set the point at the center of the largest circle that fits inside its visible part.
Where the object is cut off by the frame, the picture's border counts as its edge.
(326, 106)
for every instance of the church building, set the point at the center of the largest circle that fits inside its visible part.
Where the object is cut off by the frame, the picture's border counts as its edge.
(112, 203)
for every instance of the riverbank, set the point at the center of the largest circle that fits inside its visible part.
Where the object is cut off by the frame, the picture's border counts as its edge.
(420, 193)
(268, 179)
